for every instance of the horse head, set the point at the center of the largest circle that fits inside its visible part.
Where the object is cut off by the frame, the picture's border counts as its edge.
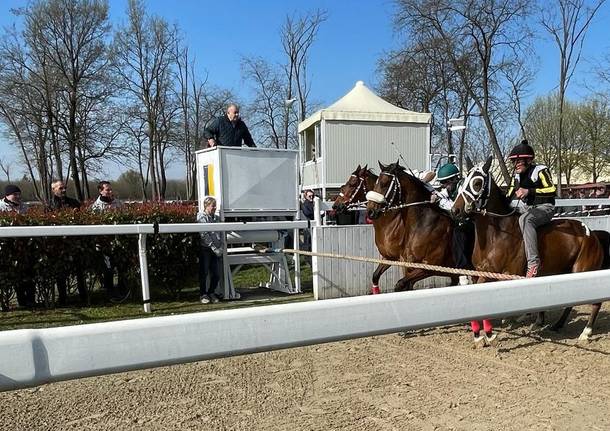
(474, 191)
(387, 191)
(353, 192)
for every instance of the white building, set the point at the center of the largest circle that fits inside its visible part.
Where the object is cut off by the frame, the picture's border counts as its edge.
(360, 128)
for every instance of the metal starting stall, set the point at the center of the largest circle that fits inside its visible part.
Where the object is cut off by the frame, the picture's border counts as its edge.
(252, 184)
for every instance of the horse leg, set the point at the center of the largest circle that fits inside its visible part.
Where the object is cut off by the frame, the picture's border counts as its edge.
(562, 320)
(586, 333)
(406, 283)
(381, 268)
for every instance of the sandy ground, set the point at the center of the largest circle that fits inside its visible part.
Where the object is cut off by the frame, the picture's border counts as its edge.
(425, 380)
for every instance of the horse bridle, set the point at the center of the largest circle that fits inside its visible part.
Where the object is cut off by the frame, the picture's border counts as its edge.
(361, 185)
(481, 197)
(393, 192)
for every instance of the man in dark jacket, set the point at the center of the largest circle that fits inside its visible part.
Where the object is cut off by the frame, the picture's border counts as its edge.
(228, 130)
(60, 201)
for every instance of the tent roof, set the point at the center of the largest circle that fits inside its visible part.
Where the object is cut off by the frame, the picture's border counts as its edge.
(361, 104)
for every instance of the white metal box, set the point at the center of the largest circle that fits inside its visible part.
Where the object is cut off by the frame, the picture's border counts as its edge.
(249, 181)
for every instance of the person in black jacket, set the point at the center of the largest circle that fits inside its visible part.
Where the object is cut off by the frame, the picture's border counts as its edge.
(228, 130)
(533, 193)
(59, 200)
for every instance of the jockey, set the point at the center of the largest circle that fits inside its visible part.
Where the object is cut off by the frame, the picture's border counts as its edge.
(463, 232)
(533, 194)
(449, 177)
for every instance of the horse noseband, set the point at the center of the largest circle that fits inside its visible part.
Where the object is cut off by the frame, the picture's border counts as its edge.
(375, 197)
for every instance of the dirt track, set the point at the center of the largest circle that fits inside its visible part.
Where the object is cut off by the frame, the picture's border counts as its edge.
(426, 380)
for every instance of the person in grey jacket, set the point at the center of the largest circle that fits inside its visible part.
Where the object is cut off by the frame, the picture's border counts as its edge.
(25, 287)
(12, 200)
(104, 202)
(210, 253)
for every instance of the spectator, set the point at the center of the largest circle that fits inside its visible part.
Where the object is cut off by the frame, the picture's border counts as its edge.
(228, 130)
(104, 202)
(12, 200)
(24, 288)
(59, 201)
(210, 254)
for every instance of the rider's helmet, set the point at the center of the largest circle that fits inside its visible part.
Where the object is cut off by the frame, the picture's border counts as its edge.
(447, 172)
(522, 151)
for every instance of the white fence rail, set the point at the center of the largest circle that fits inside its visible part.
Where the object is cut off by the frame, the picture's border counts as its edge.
(32, 357)
(142, 230)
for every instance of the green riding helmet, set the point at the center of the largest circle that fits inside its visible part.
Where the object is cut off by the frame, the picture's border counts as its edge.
(447, 171)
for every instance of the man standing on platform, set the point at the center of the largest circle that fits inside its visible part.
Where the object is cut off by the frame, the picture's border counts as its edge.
(228, 130)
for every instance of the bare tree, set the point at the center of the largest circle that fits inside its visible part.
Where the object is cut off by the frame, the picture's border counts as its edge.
(71, 38)
(275, 85)
(298, 35)
(6, 166)
(144, 52)
(594, 118)
(567, 21)
(268, 106)
(479, 38)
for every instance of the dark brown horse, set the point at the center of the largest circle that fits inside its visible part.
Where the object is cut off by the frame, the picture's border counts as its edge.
(407, 226)
(353, 194)
(565, 245)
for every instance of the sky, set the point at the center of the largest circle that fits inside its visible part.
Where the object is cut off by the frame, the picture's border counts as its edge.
(347, 48)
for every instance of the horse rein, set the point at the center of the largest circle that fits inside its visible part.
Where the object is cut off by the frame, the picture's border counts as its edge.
(395, 191)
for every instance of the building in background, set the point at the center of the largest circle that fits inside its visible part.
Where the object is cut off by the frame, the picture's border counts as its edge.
(360, 128)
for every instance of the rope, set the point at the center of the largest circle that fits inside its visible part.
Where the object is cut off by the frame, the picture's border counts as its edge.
(433, 268)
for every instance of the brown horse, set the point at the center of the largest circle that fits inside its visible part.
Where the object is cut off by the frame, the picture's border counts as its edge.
(407, 226)
(564, 245)
(353, 194)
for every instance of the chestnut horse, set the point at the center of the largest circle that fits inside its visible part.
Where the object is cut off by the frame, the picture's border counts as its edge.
(565, 245)
(353, 194)
(408, 226)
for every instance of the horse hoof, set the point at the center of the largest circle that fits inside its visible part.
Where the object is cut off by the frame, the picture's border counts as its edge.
(492, 340)
(479, 342)
(586, 335)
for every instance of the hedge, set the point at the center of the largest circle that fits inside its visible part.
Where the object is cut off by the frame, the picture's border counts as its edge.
(172, 258)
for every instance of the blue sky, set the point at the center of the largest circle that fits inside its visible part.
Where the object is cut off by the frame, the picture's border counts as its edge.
(348, 46)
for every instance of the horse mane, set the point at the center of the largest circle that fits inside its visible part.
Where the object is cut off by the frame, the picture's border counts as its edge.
(396, 169)
(501, 196)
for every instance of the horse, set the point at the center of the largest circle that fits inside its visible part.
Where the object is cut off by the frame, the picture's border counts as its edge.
(564, 245)
(353, 194)
(407, 225)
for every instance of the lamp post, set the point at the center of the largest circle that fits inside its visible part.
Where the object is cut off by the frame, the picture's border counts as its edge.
(455, 124)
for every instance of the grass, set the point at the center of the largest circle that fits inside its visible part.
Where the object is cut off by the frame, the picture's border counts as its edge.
(162, 304)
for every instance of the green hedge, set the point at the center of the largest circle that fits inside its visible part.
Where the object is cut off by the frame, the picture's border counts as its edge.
(172, 259)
